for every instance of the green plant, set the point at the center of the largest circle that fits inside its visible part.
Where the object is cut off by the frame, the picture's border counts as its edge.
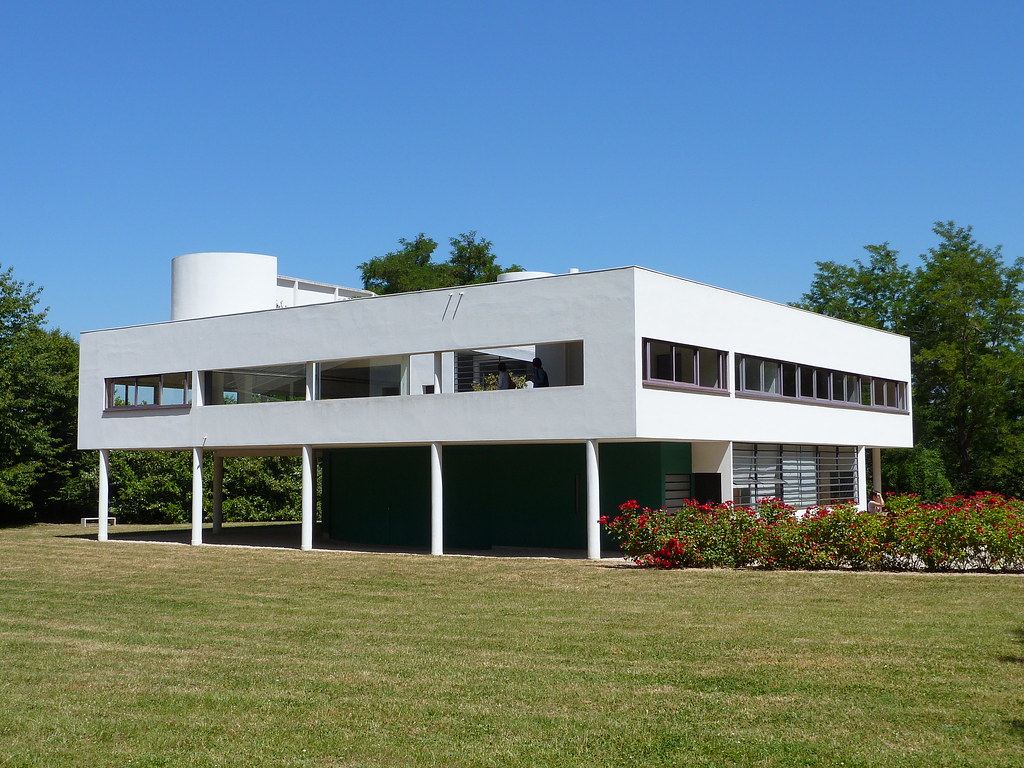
(984, 531)
(490, 382)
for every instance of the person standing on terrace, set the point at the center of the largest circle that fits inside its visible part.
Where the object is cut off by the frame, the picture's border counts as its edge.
(504, 377)
(538, 376)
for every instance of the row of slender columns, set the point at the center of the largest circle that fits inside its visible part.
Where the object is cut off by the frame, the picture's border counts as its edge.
(197, 495)
(308, 469)
(436, 495)
(104, 510)
(218, 495)
(593, 502)
(307, 497)
(436, 501)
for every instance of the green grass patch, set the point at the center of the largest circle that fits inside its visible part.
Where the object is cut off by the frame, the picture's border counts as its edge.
(131, 654)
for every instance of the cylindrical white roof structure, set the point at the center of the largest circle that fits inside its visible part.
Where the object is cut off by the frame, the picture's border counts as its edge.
(208, 284)
(508, 277)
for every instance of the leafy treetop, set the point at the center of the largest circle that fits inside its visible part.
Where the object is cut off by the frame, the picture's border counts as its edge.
(963, 309)
(411, 267)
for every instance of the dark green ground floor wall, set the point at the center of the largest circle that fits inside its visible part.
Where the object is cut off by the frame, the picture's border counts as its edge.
(637, 471)
(494, 495)
(377, 495)
(515, 495)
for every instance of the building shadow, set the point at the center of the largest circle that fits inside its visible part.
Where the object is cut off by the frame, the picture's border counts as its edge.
(289, 536)
(1018, 635)
(1016, 725)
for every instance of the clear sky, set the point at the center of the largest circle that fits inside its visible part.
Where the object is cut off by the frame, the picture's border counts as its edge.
(731, 142)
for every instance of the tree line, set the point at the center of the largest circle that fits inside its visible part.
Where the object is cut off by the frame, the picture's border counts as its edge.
(962, 307)
(43, 476)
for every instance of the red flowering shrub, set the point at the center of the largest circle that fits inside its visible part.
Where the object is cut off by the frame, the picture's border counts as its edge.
(845, 537)
(978, 531)
(984, 531)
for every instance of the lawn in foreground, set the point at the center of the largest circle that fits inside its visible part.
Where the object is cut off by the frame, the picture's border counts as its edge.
(121, 654)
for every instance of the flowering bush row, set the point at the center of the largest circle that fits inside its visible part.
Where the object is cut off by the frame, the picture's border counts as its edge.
(984, 531)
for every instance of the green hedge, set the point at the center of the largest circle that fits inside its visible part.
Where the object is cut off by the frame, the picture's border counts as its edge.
(984, 531)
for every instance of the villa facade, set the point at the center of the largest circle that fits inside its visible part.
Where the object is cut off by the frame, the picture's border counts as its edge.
(661, 389)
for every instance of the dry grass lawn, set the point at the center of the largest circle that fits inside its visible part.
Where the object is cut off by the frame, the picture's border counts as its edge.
(140, 654)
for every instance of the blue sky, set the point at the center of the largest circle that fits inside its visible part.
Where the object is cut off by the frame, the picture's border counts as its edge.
(735, 143)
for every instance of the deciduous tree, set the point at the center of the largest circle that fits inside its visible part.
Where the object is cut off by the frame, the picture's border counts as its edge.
(40, 468)
(410, 268)
(874, 294)
(963, 309)
(966, 320)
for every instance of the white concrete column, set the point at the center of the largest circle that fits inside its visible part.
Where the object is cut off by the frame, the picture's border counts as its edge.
(218, 492)
(307, 497)
(876, 469)
(593, 502)
(197, 495)
(311, 381)
(438, 373)
(197, 388)
(436, 501)
(727, 482)
(447, 371)
(405, 387)
(862, 478)
(104, 505)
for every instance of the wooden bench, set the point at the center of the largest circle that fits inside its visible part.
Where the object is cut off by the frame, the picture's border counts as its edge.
(87, 520)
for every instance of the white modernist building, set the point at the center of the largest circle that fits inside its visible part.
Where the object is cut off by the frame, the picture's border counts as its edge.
(660, 389)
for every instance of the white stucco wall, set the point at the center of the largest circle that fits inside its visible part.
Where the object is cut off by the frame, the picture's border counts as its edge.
(206, 284)
(597, 307)
(611, 311)
(678, 310)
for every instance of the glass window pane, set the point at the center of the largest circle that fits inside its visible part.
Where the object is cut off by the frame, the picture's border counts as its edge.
(879, 401)
(752, 374)
(660, 361)
(801, 475)
(710, 365)
(146, 387)
(852, 383)
(890, 395)
(788, 380)
(120, 392)
(685, 358)
(821, 378)
(278, 383)
(838, 386)
(806, 381)
(270, 384)
(175, 389)
(771, 376)
(376, 377)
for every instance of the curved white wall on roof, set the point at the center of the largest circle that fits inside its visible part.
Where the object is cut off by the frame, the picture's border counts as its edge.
(208, 284)
(508, 277)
